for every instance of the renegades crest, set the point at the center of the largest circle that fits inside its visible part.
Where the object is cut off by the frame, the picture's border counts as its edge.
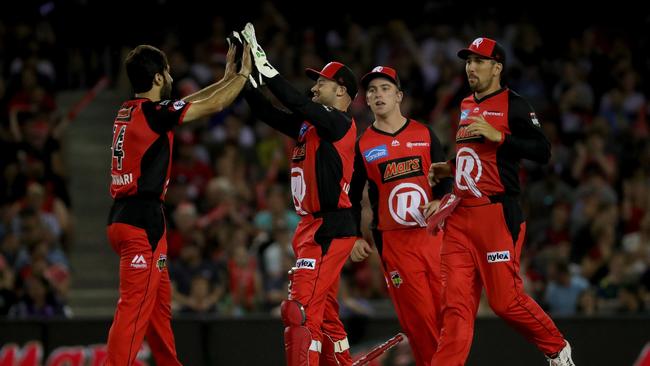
(161, 263)
(395, 279)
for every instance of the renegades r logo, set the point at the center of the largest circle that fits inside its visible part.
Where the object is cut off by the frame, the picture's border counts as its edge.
(409, 166)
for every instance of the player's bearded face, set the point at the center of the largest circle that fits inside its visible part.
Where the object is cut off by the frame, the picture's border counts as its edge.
(479, 74)
(324, 92)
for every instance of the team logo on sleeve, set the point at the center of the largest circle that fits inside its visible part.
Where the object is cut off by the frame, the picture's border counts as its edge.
(375, 153)
(410, 166)
(303, 130)
(396, 279)
(533, 118)
(178, 104)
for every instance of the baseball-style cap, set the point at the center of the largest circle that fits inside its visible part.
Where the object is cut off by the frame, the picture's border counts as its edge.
(339, 73)
(381, 72)
(484, 47)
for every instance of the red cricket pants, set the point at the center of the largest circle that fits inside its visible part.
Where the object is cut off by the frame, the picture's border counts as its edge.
(478, 250)
(411, 261)
(315, 282)
(144, 307)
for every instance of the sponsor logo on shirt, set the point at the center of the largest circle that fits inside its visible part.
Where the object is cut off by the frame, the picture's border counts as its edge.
(395, 278)
(494, 257)
(412, 144)
(401, 168)
(306, 263)
(493, 113)
(375, 153)
(138, 261)
(394, 143)
(463, 136)
(464, 114)
(533, 118)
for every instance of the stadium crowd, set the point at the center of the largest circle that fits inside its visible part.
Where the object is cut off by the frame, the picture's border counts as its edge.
(229, 206)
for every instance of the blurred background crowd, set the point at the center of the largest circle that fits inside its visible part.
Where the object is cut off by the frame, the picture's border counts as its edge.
(230, 218)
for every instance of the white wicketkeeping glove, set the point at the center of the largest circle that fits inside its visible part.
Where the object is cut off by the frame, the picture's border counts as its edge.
(259, 56)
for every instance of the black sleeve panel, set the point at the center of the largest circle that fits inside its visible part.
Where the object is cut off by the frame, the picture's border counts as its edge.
(358, 183)
(164, 115)
(526, 139)
(287, 123)
(330, 123)
(437, 155)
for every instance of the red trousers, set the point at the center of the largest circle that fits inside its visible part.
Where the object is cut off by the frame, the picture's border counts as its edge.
(477, 251)
(411, 261)
(315, 284)
(144, 307)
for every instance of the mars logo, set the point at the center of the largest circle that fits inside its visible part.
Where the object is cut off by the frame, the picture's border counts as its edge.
(477, 42)
(468, 170)
(404, 204)
(298, 189)
(409, 166)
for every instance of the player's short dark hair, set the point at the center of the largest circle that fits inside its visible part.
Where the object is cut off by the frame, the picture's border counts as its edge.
(142, 65)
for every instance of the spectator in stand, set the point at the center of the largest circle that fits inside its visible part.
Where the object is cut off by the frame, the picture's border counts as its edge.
(564, 290)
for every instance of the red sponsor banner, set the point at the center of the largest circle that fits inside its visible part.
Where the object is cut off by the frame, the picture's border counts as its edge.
(31, 354)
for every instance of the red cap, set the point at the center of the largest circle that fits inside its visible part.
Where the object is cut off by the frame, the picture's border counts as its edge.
(338, 72)
(484, 47)
(381, 72)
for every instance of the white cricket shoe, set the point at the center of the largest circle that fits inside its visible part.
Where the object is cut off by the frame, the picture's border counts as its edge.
(563, 358)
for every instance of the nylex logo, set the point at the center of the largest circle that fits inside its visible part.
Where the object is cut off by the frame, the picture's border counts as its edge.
(493, 257)
(306, 263)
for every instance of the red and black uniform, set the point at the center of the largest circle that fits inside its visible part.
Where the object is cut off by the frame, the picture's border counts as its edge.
(321, 171)
(395, 165)
(484, 235)
(141, 164)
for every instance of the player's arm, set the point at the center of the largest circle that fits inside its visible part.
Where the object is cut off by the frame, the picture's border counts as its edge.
(210, 89)
(331, 123)
(437, 155)
(287, 123)
(357, 184)
(526, 139)
(220, 96)
(361, 249)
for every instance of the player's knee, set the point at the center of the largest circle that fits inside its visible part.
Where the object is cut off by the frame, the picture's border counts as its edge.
(501, 307)
(293, 313)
